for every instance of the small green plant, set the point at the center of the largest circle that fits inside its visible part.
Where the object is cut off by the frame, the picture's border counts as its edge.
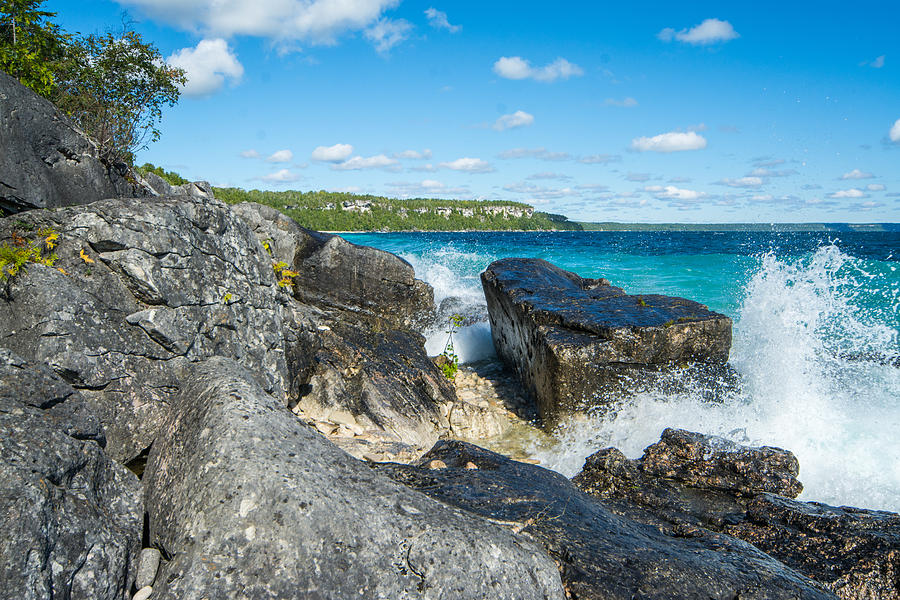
(642, 302)
(285, 275)
(226, 298)
(450, 365)
(14, 258)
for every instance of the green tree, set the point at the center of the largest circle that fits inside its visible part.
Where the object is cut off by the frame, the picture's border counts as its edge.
(115, 87)
(30, 45)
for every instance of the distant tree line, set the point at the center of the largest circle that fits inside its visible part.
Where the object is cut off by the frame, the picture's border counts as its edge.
(114, 86)
(340, 211)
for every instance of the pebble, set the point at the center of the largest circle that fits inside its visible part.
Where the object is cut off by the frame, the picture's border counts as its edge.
(470, 465)
(148, 565)
(143, 593)
(437, 464)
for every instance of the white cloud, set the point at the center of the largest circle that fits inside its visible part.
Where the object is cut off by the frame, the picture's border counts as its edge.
(516, 67)
(282, 156)
(207, 66)
(520, 118)
(639, 177)
(282, 21)
(895, 132)
(709, 31)
(414, 154)
(599, 159)
(539, 153)
(438, 20)
(851, 193)
(857, 174)
(876, 187)
(357, 163)
(427, 188)
(743, 182)
(282, 176)
(670, 192)
(674, 141)
(336, 153)
(549, 175)
(628, 102)
(875, 64)
(387, 33)
(469, 165)
(250, 154)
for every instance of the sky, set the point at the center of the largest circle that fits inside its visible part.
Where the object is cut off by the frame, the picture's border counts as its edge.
(633, 112)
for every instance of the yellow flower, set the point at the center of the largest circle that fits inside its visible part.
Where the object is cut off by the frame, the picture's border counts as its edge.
(50, 240)
(85, 257)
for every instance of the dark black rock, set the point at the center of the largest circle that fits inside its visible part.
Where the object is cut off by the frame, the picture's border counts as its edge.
(143, 287)
(71, 519)
(572, 341)
(251, 503)
(691, 484)
(599, 554)
(45, 161)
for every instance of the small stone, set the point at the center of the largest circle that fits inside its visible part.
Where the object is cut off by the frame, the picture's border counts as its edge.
(437, 464)
(470, 465)
(143, 593)
(326, 428)
(148, 564)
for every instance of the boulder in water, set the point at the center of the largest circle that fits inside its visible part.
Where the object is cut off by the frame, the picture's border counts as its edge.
(575, 342)
(690, 484)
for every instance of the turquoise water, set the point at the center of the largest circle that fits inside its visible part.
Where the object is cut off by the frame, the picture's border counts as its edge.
(816, 336)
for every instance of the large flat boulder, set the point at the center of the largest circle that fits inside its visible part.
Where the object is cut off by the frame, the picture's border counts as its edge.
(138, 289)
(600, 555)
(690, 484)
(71, 518)
(45, 160)
(575, 343)
(251, 503)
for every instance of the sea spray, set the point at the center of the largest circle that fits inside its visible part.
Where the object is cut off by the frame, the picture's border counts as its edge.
(816, 341)
(803, 389)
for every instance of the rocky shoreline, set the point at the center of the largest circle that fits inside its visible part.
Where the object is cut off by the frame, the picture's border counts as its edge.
(200, 401)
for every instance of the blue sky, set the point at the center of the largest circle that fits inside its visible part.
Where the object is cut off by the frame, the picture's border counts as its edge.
(641, 111)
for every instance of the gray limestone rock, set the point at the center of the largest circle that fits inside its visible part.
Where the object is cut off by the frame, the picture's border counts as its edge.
(248, 501)
(71, 518)
(577, 342)
(691, 484)
(140, 287)
(45, 161)
(336, 273)
(600, 555)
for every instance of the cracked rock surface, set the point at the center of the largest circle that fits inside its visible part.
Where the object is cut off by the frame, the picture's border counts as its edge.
(46, 161)
(71, 519)
(140, 288)
(695, 484)
(600, 555)
(250, 502)
(575, 342)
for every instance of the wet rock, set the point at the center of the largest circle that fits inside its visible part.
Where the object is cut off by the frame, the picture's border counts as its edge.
(599, 554)
(45, 161)
(138, 289)
(338, 274)
(249, 501)
(854, 552)
(713, 462)
(572, 341)
(71, 518)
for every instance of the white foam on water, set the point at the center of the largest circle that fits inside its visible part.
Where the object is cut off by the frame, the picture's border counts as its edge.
(454, 275)
(808, 353)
